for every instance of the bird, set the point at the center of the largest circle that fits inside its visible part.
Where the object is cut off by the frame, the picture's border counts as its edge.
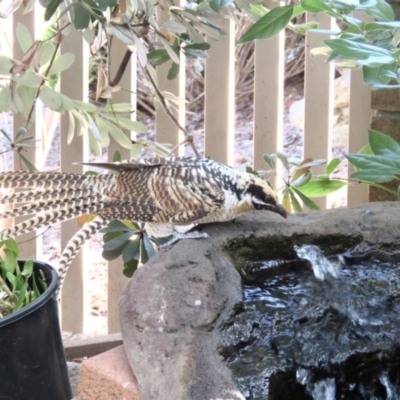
(171, 195)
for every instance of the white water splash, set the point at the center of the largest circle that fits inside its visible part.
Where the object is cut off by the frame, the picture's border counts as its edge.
(390, 389)
(322, 266)
(324, 390)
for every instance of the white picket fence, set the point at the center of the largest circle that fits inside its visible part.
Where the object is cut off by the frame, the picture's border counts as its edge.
(219, 130)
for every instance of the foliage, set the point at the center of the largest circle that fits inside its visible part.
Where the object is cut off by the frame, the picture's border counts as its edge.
(300, 185)
(372, 46)
(157, 40)
(378, 162)
(18, 287)
(129, 240)
(18, 145)
(381, 163)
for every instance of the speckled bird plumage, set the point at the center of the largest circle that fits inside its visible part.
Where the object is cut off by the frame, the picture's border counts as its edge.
(170, 195)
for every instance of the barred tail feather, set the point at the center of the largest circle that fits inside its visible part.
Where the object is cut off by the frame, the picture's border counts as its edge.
(75, 244)
(51, 205)
(52, 180)
(44, 195)
(49, 218)
(48, 180)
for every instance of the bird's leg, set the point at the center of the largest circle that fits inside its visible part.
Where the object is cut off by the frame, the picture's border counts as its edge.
(179, 236)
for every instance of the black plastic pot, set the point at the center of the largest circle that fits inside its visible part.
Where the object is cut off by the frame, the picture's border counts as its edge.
(32, 358)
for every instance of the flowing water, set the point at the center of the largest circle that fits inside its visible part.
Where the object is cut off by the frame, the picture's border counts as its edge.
(318, 328)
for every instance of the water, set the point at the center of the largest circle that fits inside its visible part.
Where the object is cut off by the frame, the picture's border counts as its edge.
(324, 331)
(323, 267)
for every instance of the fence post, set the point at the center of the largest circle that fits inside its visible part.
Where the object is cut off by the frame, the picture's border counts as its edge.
(220, 96)
(268, 98)
(30, 240)
(116, 279)
(166, 130)
(359, 123)
(318, 97)
(74, 84)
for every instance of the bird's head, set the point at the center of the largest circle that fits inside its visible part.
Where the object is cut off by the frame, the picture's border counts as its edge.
(263, 196)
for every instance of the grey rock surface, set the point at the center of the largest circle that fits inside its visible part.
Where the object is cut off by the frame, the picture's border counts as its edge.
(74, 372)
(173, 308)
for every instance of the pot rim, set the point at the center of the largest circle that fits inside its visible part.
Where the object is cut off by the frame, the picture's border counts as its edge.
(37, 303)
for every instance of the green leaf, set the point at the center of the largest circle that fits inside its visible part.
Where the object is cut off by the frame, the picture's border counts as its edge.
(119, 108)
(194, 54)
(173, 71)
(28, 268)
(333, 164)
(311, 205)
(313, 163)
(71, 127)
(284, 160)
(27, 163)
(381, 74)
(127, 123)
(172, 51)
(21, 296)
(286, 200)
(382, 26)
(384, 145)
(381, 11)
(24, 37)
(117, 156)
(258, 10)
(146, 249)
(250, 170)
(130, 267)
(12, 279)
(298, 10)
(117, 242)
(50, 98)
(10, 262)
(81, 17)
(11, 245)
(374, 61)
(116, 226)
(216, 5)
(81, 106)
(51, 9)
(92, 8)
(110, 255)
(94, 130)
(62, 63)
(103, 4)
(295, 203)
(321, 187)
(158, 57)
(302, 180)
(317, 6)
(374, 175)
(270, 159)
(132, 250)
(120, 137)
(351, 49)
(198, 46)
(366, 150)
(269, 25)
(94, 145)
(383, 164)
(35, 288)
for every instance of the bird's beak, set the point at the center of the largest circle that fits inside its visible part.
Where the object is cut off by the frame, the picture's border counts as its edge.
(277, 208)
